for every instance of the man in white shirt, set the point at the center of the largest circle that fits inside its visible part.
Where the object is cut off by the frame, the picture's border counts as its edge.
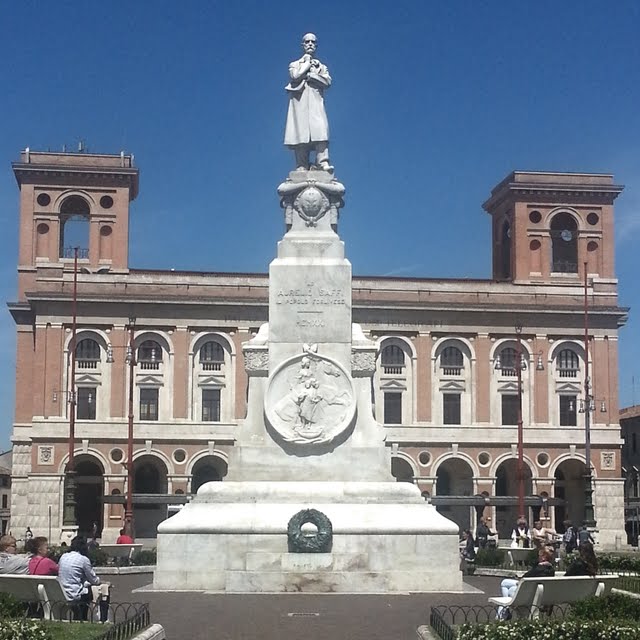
(76, 575)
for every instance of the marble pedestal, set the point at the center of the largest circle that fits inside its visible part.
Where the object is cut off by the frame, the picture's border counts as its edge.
(233, 538)
(310, 440)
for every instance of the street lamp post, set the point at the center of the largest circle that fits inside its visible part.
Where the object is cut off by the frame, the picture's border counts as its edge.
(131, 358)
(69, 512)
(520, 467)
(131, 362)
(519, 364)
(587, 406)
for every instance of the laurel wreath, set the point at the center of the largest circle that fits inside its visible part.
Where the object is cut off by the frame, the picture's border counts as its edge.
(320, 542)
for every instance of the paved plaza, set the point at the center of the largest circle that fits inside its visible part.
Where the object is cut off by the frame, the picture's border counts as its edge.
(209, 616)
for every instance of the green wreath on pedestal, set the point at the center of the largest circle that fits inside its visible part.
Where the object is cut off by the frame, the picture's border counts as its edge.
(320, 542)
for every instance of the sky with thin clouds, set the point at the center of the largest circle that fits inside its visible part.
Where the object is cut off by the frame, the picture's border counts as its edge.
(432, 104)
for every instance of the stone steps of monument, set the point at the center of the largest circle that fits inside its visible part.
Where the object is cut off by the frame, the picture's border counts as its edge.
(338, 581)
(268, 561)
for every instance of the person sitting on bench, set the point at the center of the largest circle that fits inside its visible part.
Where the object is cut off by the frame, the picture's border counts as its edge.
(10, 561)
(586, 564)
(543, 569)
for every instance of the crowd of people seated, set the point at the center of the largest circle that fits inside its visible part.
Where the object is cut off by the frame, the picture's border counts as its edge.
(74, 571)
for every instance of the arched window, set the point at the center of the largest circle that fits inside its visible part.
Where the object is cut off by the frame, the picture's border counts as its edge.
(212, 356)
(564, 243)
(74, 227)
(568, 363)
(451, 361)
(87, 354)
(149, 355)
(392, 359)
(505, 255)
(507, 361)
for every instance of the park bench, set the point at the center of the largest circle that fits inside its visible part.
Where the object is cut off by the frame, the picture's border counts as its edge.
(120, 550)
(44, 590)
(47, 592)
(533, 594)
(516, 555)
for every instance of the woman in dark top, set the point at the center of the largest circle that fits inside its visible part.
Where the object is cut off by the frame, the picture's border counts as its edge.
(545, 567)
(469, 551)
(586, 564)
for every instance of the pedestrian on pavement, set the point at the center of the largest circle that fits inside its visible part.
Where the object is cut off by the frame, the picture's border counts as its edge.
(569, 538)
(521, 536)
(584, 535)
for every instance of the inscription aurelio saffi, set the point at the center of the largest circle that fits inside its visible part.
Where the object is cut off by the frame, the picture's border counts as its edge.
(311, 295)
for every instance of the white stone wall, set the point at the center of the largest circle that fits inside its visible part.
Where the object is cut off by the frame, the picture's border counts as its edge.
(20, 488)
(609, 512)
(44, 491)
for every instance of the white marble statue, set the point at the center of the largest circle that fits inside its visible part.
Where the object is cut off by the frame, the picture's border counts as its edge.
(307, 127)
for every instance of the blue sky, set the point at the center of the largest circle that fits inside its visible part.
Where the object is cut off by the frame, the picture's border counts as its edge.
(432, 104)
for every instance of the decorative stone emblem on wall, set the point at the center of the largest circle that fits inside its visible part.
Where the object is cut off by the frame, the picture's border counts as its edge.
(302, 542)
(311, 204)
(256, 360)
(45, 455)
(310, 399)
(363, 362)
(311, 199)
(608, 459)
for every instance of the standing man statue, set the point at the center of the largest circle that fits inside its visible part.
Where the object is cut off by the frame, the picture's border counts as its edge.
(307, 126)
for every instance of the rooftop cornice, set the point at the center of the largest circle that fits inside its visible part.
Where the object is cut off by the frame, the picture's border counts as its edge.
(397, 305)
(26, 172)
(598, 186)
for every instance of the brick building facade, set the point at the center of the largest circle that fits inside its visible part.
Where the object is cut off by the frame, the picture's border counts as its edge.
(445, 389)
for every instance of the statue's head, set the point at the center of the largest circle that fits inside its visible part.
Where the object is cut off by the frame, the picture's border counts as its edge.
(309, 43)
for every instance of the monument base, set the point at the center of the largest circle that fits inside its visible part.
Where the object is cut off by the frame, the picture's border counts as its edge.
(233, 538)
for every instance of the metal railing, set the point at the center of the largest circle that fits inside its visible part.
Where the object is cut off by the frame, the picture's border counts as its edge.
(627, 581)
(148, 365)
(130, 625)
(564, 266)
(87, 364)
(393, 370)
(69, 253)
(125, 619)
(446, 619)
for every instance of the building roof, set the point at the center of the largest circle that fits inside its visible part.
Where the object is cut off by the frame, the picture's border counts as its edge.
(6, 462)
(630, 412)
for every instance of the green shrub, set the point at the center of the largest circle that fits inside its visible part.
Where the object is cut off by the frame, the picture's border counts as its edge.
(551, 630)
(98, 557)
(490, 557)
(626, 563)
(614, 606)
(23, 630)
(145, 557)
(10, 607)
(55, 552)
